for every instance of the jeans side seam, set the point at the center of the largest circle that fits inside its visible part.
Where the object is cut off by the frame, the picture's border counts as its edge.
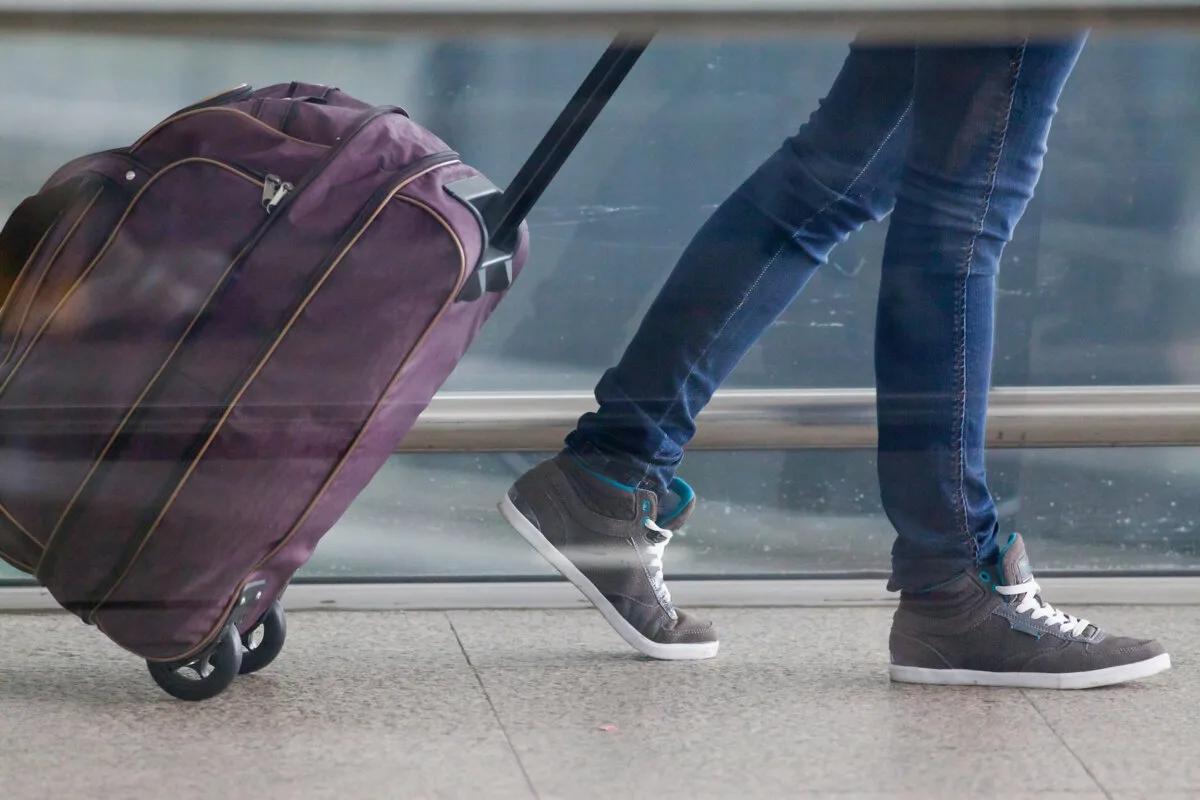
(965, 275)
(771, 261)
(716, 337)
(845, 193)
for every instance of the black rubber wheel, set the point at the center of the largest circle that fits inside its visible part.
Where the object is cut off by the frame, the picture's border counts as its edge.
(204, 677)
(265, 640)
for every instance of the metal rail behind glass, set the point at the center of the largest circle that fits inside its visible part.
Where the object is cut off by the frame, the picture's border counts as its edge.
(905, 18)
(1106, 416)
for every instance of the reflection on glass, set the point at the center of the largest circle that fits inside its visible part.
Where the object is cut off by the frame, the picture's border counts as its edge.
(780, 513)
(1097, 287)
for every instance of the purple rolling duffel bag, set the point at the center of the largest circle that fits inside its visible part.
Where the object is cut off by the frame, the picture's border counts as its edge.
(211, 340)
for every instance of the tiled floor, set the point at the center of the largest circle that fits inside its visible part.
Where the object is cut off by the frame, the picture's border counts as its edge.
(550, 704)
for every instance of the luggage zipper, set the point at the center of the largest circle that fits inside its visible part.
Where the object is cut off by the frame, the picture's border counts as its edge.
(280, 193)
(275, 189)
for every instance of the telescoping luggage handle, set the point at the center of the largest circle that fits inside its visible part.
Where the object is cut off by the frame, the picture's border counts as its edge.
(503, 212)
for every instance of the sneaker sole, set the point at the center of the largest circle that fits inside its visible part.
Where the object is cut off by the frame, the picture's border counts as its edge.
(1033, 680)
(663, 652)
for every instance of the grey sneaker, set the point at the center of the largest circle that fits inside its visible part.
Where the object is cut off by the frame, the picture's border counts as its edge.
(608, 540)
(995, 630)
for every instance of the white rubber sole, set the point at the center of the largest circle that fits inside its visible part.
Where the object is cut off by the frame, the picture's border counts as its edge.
(1033, 680)
(664, 652)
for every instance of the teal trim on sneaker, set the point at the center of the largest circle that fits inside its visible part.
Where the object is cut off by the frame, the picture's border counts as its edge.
(1012, 537)
(686, 495)
(988, 579)
(678, 487)
(603, 478)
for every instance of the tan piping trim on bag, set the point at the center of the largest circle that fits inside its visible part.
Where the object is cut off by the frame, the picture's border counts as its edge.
(221, 93)
(224, 616)
(219, 110)
(395, 377)
(103, 251)
(242, 391)
(16, 284)
(12, 347)
(18, 564)
(8, 515)
(153, 380)
(358, 437)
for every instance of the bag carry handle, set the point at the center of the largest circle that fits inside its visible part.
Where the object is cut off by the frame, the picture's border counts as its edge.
(504, 216)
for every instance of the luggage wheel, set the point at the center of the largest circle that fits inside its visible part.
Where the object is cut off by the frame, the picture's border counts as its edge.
(205, 676)
(262, 643)
(234, 653)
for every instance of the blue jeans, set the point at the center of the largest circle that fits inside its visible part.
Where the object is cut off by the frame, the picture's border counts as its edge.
(947, 140)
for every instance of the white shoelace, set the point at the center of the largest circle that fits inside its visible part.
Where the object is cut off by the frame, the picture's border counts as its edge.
(1040, 610)
(657, 550)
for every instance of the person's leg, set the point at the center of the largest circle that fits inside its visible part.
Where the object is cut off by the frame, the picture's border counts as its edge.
(746, 265)
(981, 116)
(970, 611)
(603, 510)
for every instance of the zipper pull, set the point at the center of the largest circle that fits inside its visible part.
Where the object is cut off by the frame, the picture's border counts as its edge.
(275, 189)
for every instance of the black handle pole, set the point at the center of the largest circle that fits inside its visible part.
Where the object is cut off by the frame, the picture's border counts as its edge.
(504, 215)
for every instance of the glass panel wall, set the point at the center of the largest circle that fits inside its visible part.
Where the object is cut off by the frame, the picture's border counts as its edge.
(1099, 288)
(783, 513)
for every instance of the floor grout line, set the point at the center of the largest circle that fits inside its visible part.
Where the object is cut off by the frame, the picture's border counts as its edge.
(1069, 749)
(495, 714)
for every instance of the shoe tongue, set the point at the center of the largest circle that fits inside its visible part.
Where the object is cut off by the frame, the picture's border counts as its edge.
(1014, 565)
(1014, 561)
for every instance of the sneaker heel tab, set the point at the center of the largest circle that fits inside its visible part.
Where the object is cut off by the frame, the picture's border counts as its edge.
(677, 505)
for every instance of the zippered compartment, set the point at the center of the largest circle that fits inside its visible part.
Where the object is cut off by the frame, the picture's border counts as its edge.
(75, 235)
(113, 330)
(274, 206)
(28, 238)
(258, 428)
(59, 568)
(369, 211)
